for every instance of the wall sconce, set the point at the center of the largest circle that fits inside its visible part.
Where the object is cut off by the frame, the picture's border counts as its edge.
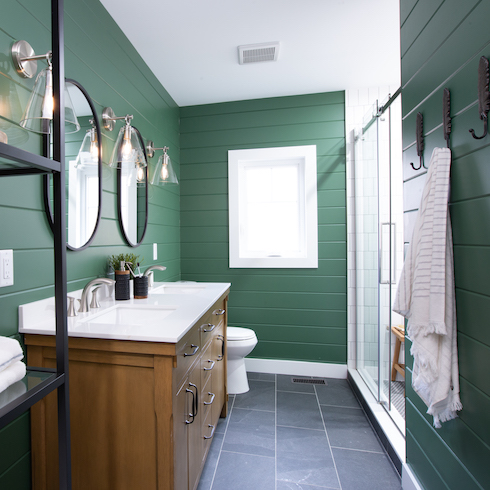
(164, 171)
(129, 143)
(38, 114)
(89, 151)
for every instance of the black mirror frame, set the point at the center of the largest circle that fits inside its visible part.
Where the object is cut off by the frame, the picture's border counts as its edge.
(46, 177)
(119, 189)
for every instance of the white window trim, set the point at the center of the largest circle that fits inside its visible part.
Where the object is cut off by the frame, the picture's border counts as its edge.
(239, 158)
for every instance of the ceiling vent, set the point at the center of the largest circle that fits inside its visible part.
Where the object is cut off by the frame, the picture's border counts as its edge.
(255, 53)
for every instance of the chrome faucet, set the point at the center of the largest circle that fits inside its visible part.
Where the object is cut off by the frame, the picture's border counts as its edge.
(154, 267)
(150, 270)
(94, 282)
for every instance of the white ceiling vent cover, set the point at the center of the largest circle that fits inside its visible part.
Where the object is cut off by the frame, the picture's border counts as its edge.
(255, 53)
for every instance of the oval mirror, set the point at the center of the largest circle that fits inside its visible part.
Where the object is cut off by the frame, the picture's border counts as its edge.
(83, 166)
(132, 200)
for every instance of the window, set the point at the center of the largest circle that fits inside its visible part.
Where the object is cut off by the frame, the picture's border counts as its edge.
(273, 207)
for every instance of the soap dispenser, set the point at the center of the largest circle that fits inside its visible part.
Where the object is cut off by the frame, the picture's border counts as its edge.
(122, 282)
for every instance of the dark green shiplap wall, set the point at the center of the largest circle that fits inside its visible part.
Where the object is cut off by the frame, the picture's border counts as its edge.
(442, 41)
(102, 59)
(298, 314)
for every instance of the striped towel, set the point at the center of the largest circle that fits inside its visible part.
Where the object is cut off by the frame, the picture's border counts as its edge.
(426, 296)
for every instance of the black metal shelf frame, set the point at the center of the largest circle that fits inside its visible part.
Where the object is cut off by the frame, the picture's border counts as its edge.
(29, 163)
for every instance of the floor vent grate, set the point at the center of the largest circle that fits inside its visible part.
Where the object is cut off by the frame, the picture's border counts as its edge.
(309, 381)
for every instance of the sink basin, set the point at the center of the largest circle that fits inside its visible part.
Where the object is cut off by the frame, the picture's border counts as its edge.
(132, 315)
(178, 289)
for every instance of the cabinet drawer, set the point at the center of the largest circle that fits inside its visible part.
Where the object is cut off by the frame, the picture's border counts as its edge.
(188, 351)
(215, 318)
(208, 428)
(207, 364)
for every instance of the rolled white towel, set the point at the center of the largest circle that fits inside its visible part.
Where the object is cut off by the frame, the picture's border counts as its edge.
(10, 352)
(15, 372)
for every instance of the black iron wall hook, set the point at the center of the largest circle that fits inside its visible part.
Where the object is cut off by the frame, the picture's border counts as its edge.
(420, 141)
(446, 115)
(483, 96)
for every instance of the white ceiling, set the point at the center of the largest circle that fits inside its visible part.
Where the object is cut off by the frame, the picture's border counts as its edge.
(325, 45)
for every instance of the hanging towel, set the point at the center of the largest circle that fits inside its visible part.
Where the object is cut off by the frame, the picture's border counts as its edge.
(15, 372)
(426, 297)
(10, 352)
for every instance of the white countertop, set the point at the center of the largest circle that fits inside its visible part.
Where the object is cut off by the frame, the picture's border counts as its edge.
(165, 316)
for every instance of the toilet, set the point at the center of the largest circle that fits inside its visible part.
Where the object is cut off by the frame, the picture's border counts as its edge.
(240, 342)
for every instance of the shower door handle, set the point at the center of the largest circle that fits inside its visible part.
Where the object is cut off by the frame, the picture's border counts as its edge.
(388, 251)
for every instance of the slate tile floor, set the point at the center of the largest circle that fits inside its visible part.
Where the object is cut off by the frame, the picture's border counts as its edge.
(285, 436)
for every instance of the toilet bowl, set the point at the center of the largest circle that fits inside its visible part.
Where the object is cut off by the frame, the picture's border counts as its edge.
(240, 342)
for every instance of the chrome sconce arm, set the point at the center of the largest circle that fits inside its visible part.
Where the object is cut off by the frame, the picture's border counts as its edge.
(128, 148)
(164, 172)
(39, 110)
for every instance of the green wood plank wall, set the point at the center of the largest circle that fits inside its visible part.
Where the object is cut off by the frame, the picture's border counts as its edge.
(102, 59)
(442, 41)
(298, 314)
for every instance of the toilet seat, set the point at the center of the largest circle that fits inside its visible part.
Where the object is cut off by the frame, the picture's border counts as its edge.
(239, 333)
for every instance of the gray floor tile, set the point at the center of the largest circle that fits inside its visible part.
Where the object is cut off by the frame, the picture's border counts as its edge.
(251, 432)
(303, 456)
(284, 384)
(337, 392)
(261, 376)
(288, 485)
(222, 424)
(349, 428)
(298, 410)
(211, 463)
(372, 471)
(260, 397)
(244, 472)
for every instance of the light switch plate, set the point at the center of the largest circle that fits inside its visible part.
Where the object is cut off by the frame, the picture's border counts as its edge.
(155, 252)
(6, 268)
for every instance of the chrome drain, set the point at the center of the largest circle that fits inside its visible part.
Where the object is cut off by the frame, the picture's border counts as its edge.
(309, 381)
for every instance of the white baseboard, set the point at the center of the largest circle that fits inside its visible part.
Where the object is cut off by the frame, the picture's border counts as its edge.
(296, 368)
(409, 480)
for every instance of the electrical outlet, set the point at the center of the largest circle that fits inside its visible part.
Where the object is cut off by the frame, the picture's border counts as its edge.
(6, 268)
(155, 252)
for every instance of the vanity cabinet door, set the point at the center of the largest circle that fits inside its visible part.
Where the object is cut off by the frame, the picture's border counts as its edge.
(194, 428)
(182, 407)
(218, 386)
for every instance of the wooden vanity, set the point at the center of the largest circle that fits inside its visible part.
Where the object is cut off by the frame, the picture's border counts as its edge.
(143, 413)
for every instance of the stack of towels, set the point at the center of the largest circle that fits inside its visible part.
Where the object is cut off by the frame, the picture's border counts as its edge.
(12, 369)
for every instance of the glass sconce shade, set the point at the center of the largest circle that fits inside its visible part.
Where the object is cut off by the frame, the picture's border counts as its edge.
(164, 172)
(128, 149)
(39, 111)
(89, 151)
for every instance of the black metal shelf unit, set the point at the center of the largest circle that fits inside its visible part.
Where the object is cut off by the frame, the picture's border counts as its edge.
(14, 161)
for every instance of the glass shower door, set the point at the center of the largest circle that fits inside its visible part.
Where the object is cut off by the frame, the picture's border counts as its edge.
(379, 242)
(367, 283)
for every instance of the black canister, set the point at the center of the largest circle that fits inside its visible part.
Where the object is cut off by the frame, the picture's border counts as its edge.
(140, 287)
(122, 285)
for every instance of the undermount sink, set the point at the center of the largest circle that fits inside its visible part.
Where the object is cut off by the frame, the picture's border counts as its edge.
(132, 315)
(178, 289)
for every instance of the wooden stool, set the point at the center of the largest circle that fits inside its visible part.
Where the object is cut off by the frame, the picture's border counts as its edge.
(399, 332)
